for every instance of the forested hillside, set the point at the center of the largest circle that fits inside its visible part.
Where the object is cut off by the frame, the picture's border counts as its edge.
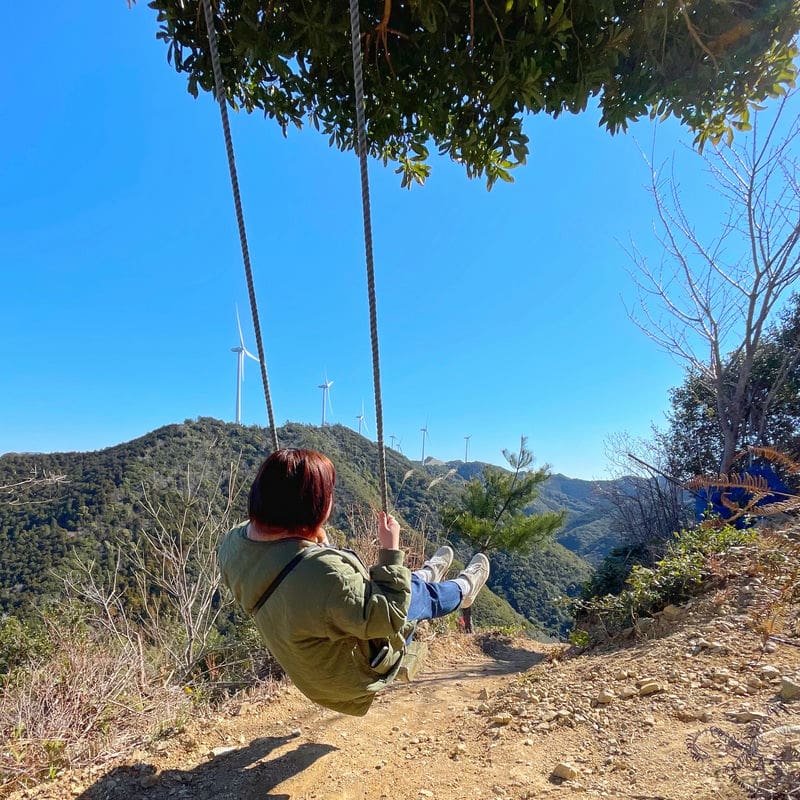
(588, 530)
(107, 497)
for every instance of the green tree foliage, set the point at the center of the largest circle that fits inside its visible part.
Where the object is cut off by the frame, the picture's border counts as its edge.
(491, 512)
(465, 74)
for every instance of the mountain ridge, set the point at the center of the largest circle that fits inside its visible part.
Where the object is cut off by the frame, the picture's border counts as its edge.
(103, 495)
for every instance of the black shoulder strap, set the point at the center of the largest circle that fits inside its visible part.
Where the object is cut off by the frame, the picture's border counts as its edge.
(278, 580)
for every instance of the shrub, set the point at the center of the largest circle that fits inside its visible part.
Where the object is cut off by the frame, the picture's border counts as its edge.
(673, 579)
(20, 642)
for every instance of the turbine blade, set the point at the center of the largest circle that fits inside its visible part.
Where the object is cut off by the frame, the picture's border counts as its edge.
(255, 358)
(239, 326)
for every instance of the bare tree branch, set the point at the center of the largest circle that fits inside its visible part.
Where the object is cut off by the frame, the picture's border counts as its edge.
(708, 303)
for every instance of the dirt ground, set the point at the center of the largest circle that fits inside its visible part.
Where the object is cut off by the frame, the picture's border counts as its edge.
(660, 715)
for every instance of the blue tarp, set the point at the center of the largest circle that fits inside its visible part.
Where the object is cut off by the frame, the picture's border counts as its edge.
(710, 500)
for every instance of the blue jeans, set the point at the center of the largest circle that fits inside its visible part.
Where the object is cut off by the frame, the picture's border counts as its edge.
(429, 600)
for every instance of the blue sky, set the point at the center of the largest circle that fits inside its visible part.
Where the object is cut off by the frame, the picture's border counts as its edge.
(500, 313)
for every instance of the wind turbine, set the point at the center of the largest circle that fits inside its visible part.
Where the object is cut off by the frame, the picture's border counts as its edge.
(393, 438)
(326, 397)
(241, 351)
(466, 449)
(361, 420)
(424, 432)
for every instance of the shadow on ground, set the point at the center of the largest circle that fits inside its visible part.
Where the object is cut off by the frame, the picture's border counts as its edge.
(508, 656)
(241, 774)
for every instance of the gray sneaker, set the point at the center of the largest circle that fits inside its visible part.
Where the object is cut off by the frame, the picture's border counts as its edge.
(435, 568)
(472, 578)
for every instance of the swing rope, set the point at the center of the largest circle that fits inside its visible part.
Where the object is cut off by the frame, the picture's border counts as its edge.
(355, 35)
(358, 74)
(237, 201)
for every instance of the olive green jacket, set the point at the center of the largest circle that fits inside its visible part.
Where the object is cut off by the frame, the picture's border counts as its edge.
(329, 619)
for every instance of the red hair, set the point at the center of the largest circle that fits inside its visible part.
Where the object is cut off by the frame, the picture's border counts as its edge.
(293, 490)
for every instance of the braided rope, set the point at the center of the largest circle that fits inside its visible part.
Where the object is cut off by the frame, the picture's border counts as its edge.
(358, 74)
(237, 201)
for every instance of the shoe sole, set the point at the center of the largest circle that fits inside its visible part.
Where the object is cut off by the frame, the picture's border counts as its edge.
(439, 574)
(481, 559)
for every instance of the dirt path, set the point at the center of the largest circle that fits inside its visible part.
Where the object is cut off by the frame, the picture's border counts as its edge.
(418, 740)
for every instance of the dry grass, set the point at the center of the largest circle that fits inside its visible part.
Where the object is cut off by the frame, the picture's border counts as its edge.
(73, 708)
(91, 699)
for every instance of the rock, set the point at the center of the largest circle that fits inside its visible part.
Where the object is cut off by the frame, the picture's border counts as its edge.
(565, 771)
(148, 781)
(605, 696)
(721, 674)
(651, 687)
(769, 672)
(790, 690)
(504, 718)
(747, 716)
(627, 692)
(671, 613)
(645, 624)
(215, 752)
(425, 793)
(483, 694)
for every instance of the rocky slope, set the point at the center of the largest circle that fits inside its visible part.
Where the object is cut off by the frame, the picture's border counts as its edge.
(693, 704)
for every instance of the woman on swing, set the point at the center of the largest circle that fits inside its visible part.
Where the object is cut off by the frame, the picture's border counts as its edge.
(337, 629)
